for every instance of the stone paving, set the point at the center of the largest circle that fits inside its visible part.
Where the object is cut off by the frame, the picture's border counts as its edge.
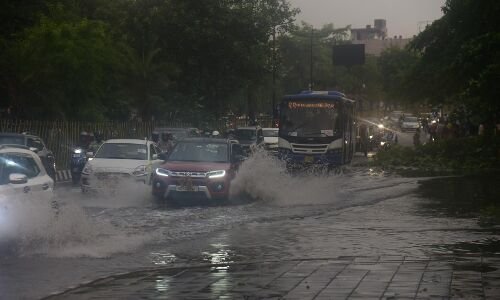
(384, 277)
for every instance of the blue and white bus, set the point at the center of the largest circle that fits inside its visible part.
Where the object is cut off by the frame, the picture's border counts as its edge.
(316, 128)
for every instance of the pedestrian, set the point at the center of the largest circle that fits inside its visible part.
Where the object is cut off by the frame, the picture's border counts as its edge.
(481, 129)
(416, 138)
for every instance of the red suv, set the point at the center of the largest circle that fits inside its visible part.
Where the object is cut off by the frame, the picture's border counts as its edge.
(198, 167)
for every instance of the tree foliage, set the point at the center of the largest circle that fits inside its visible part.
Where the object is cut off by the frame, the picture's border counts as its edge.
(461, 57)
(81, 59)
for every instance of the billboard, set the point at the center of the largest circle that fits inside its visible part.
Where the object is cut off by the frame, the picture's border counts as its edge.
(349, 55)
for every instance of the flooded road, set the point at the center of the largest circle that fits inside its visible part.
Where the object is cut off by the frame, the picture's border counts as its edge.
(361, 213)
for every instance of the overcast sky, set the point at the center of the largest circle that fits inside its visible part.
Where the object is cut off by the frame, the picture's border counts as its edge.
(403, 16)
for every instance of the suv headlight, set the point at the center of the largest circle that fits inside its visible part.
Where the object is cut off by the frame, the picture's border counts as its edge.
(87, 170)
(216, 174)
(163, 172)
(141, 171)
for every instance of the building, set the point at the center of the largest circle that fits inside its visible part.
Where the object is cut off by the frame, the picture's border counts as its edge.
(375, 38)
(379, 31)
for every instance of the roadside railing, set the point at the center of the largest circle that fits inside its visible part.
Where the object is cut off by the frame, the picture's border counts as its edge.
(62, 136)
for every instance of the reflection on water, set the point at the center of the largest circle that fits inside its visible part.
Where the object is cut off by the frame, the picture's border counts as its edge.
(163, 258)
(460, 196)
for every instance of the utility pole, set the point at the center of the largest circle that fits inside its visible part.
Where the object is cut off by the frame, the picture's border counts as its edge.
(274, 72)
(311, 61)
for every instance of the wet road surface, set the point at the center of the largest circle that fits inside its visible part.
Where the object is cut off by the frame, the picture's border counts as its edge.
(335, 234)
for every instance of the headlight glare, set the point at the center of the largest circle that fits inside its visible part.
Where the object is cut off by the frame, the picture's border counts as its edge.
(162, 172)
(216, 174)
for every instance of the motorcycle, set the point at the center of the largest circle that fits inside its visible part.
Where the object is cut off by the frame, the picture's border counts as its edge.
(77, 162)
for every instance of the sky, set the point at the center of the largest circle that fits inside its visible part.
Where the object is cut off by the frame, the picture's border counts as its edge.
(404, 17)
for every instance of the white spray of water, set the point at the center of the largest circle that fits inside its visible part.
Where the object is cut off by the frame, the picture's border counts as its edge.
(34, 224)
(264, 177)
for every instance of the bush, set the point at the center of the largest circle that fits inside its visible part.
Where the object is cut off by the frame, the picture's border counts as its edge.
(460, 154)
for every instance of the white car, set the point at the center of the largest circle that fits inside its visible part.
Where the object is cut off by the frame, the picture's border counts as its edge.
(270, 138)
(121, 159)
(410, 123)
(22, 171)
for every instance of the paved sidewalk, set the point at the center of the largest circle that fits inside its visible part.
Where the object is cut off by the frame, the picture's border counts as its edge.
(385, 277)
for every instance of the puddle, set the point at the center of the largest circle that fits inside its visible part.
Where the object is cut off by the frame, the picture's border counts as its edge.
(460, 196)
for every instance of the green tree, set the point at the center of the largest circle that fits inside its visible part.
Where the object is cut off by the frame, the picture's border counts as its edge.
(63, 68)
(460, 61)
(395, 66)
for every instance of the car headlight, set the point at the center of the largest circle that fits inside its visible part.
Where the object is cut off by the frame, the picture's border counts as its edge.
(216, 174)
(78, 151)
(141, 171)
(87, 170)
(163, 172)
(382, 143)
(381, 126)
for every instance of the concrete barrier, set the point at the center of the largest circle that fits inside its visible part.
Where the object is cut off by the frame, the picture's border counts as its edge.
(63, 176)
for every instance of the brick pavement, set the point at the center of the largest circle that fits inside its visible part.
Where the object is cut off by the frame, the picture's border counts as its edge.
(383, 277)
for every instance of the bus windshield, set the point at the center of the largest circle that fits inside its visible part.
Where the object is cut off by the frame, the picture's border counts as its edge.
(318, 118)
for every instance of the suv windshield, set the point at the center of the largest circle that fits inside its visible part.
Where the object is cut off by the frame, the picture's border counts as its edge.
(200, 151)
(11, 140)
(122, 151)
(411, 119)
(11, 163)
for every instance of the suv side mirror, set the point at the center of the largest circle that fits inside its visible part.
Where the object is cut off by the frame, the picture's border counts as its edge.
(17, 178)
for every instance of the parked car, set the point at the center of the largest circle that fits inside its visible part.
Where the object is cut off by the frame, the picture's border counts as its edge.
(35, 144)
(410, 123)
(270, 138)
(120, 159)
(22, 171)
(250, 138)
(178, 133)
(198, 167)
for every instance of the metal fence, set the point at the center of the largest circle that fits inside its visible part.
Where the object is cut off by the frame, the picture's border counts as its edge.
(61, 136)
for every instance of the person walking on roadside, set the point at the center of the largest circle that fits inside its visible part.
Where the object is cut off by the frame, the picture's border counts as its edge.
(416, 138)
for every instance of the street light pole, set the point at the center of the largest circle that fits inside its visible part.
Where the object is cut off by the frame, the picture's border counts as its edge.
(274, 72)
(311, 62)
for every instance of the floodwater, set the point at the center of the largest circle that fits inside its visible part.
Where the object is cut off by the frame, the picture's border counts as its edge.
(362, 212)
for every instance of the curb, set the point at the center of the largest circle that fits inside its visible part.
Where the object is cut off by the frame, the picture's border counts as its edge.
(63, 176)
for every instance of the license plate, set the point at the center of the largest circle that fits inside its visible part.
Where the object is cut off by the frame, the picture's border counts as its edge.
(309, 159)
(184, 188)
(76, 155)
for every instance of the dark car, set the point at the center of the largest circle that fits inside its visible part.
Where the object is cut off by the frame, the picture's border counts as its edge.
(35, 144)
(249, 137)
(198, 167)
(178, 133)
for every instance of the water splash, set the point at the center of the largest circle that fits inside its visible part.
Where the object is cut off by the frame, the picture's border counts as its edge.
(52, 225)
